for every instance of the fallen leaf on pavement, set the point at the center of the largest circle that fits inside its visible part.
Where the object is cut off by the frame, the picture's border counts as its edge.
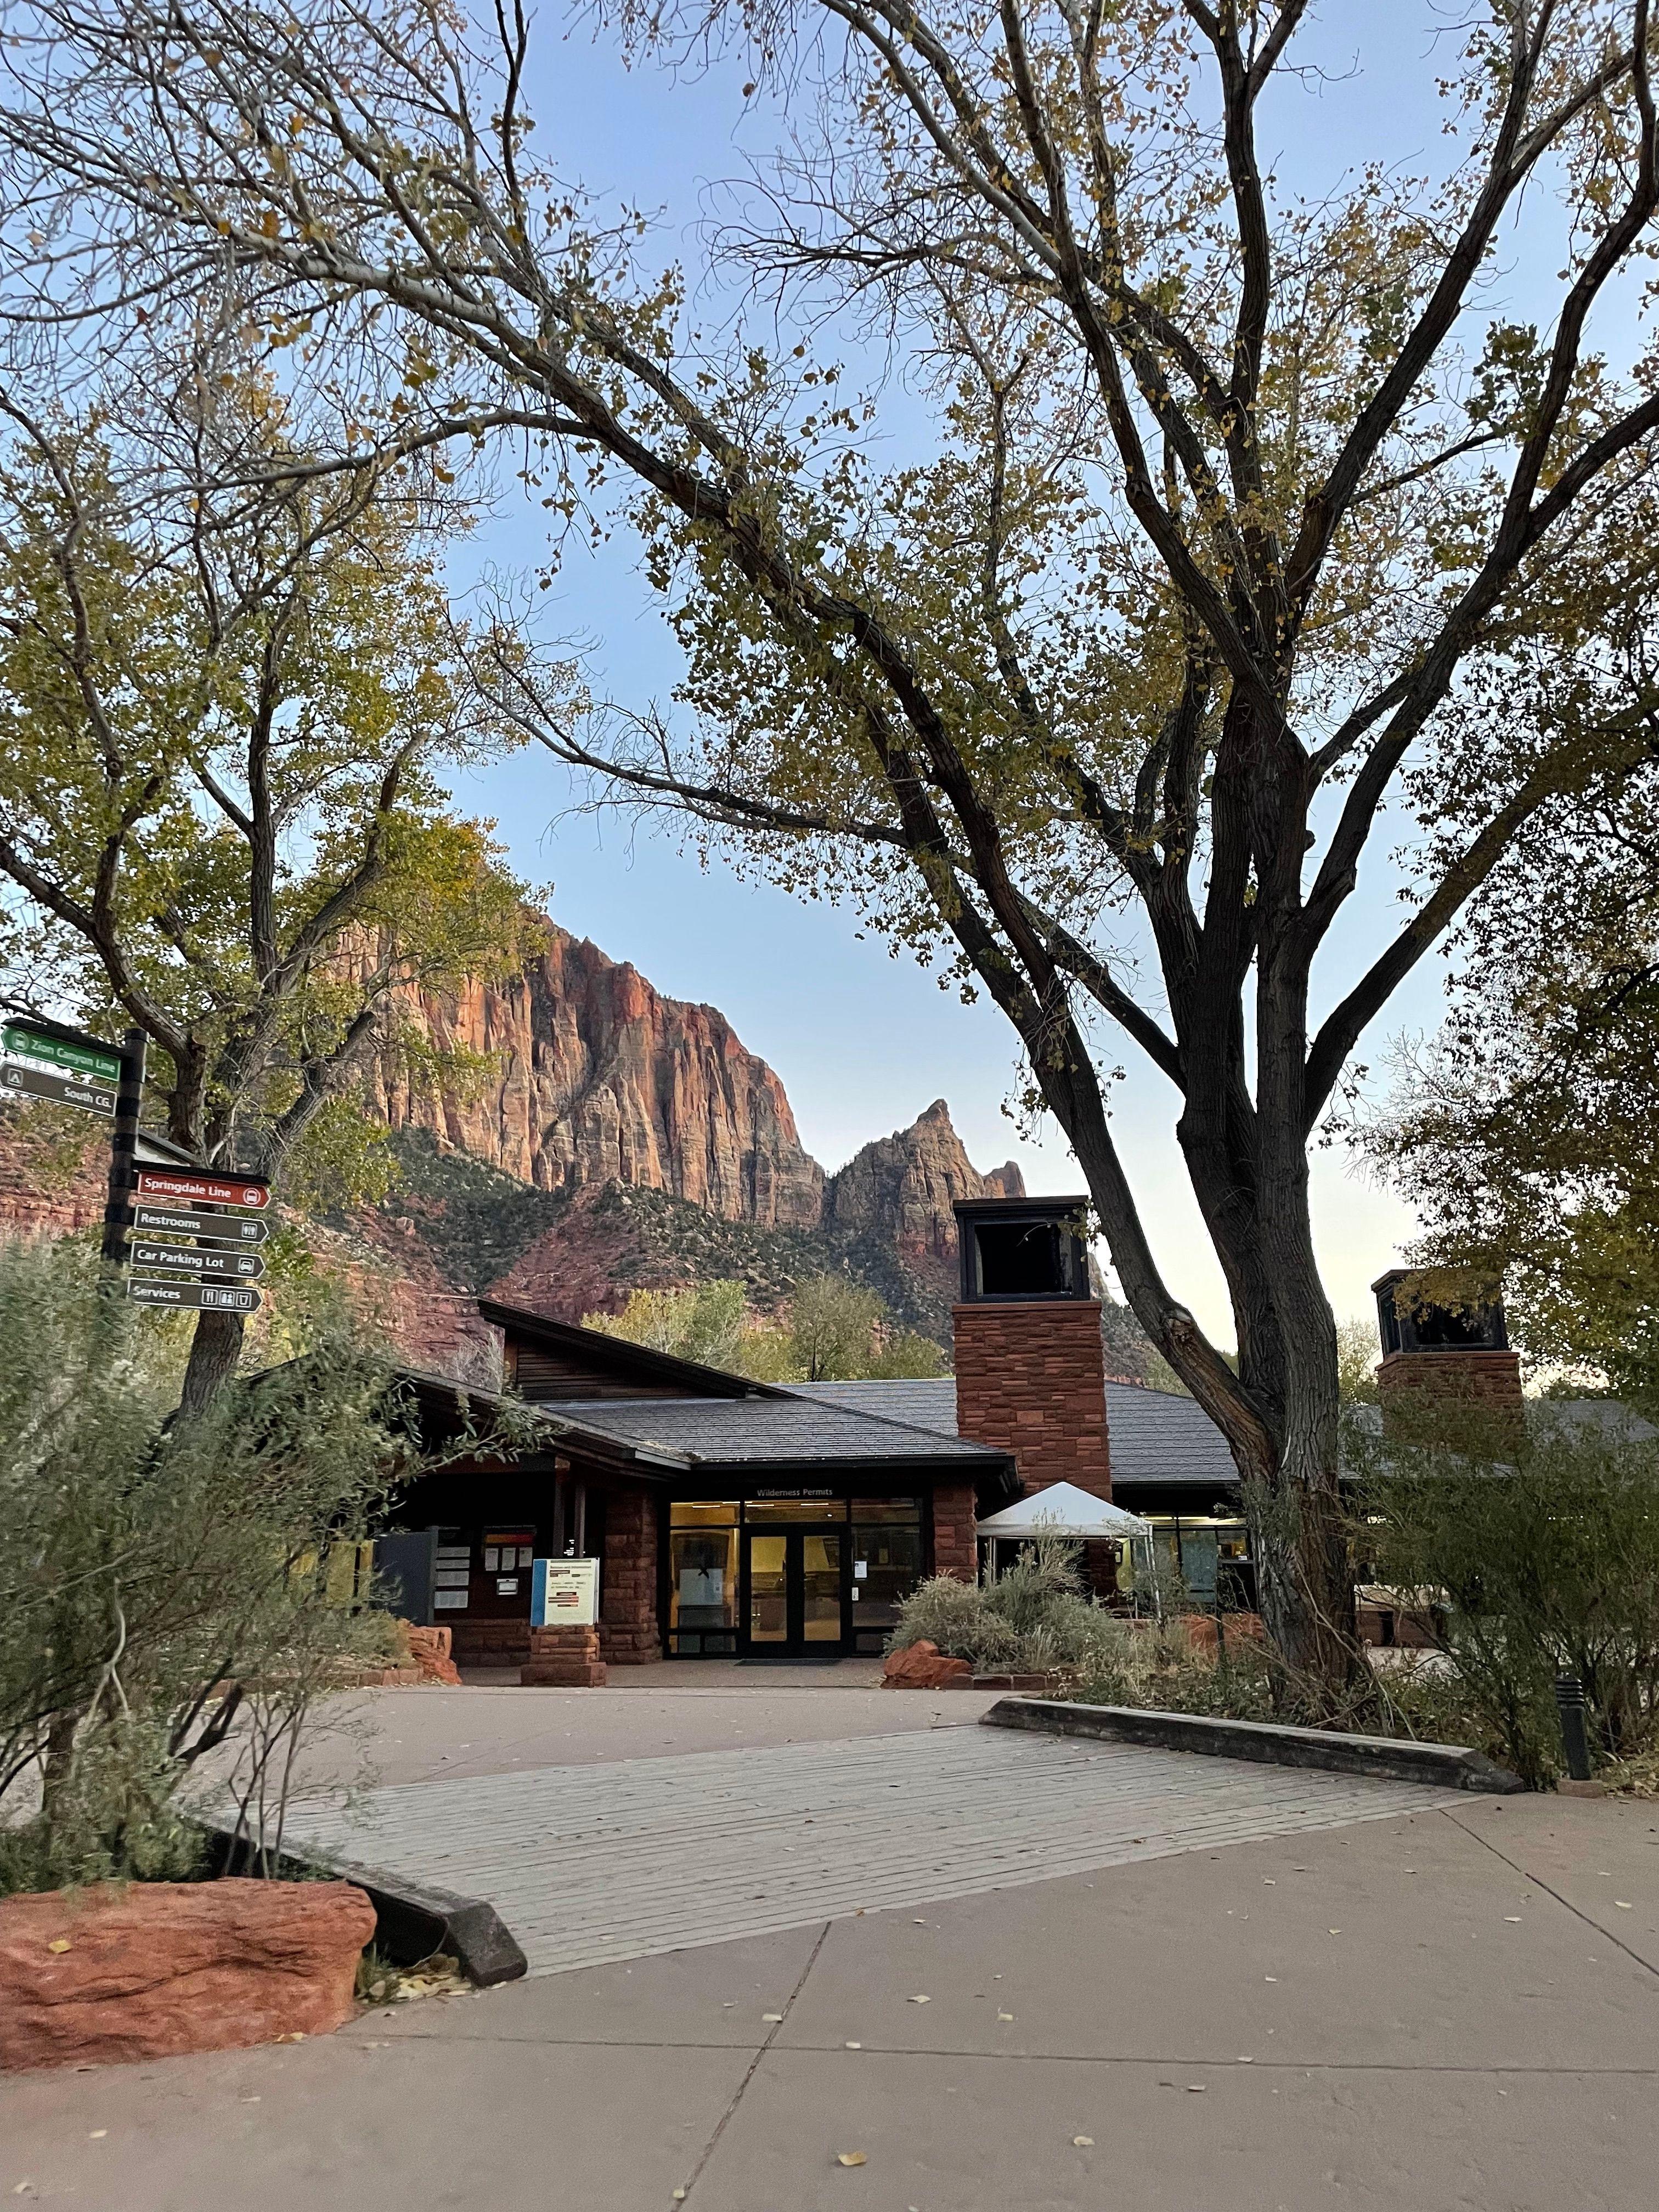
(59, 1943)
(850, 2158)
(1619, 1901)
(921, 2000)
(1084, 2142)
(774, 2016)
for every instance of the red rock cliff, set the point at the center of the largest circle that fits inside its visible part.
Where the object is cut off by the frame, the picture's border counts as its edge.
(597, 1078)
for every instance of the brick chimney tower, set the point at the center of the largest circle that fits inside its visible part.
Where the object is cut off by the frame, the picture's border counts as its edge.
(1030, 1369)
(1445, 1368)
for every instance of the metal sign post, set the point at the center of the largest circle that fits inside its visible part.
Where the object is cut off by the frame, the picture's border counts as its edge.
(129, 1097)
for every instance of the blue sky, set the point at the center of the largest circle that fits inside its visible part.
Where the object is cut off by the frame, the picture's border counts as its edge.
(864, 1040)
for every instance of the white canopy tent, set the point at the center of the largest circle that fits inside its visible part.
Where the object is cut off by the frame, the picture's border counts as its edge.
(1063, 1510)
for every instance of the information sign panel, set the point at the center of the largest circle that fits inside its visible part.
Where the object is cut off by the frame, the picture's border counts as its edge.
(564, 1594)
(33, 1081)
(86, 1059)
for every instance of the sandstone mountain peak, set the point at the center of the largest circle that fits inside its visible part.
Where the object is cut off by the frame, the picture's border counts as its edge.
(595, 1078)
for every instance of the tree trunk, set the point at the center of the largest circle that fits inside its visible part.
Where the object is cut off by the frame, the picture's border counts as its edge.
(1304, 1581)
(213, 1352)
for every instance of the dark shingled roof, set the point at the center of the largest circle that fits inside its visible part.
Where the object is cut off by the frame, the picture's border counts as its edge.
(793, 1430)
(1154, 1436)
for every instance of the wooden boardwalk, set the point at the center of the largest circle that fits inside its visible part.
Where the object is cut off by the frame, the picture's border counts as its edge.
(592, 1863)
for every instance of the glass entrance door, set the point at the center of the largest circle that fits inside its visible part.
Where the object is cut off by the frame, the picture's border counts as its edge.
(820, 1585)
(795, 1595)
(768, 1589)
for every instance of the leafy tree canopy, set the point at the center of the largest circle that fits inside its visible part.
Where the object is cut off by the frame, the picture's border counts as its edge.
(831, 1330)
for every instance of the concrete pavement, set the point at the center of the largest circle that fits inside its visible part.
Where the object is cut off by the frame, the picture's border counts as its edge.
(1457, 2008)
(391, 1737)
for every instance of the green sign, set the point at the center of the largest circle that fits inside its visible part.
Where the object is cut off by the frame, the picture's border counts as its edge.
(93, 1062)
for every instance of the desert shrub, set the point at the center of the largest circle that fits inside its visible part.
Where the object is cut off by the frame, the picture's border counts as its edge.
(1157, 1667)
(165, 1587)
(1544, 1563)
(1031, 1619)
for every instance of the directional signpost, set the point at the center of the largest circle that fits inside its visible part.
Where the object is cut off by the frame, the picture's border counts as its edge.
(240, 1267)
(198, 1298)
(192, 1187)
(211, 1227)
(45, 1060)
(171, 1200)
(217, 1213)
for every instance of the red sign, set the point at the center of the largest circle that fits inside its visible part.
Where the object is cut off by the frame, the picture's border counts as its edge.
(185, 1187)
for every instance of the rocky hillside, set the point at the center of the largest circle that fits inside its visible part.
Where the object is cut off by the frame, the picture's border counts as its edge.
(607, 1139)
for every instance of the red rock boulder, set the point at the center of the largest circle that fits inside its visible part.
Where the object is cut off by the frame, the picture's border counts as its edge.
(151, 1970)
(428, 1648)
(923, 1666)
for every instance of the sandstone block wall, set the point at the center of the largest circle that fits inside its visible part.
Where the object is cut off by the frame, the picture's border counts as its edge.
(565, 1657)
(629, 1631)
(956, 1548)
(1452, 1397)
(1031, 1380)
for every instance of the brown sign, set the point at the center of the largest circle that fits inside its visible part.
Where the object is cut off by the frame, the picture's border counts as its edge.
(187, 1186)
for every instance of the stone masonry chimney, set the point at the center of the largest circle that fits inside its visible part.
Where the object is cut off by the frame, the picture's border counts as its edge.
(1030, 1371)
(1445, 1368)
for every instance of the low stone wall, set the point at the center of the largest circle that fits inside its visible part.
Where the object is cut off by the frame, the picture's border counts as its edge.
(491, 1642)
(152, 1970)
(1395, 1759)
(564, 1658)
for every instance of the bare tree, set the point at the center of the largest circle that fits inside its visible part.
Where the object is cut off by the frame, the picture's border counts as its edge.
(1224, 507)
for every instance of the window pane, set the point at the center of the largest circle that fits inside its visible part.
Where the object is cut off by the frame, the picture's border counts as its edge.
(887, 1508)
(886, 1568)
(768, 1510)
(702, 1588)
(820, 1588)
(768, 1590)
(702, 1515)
